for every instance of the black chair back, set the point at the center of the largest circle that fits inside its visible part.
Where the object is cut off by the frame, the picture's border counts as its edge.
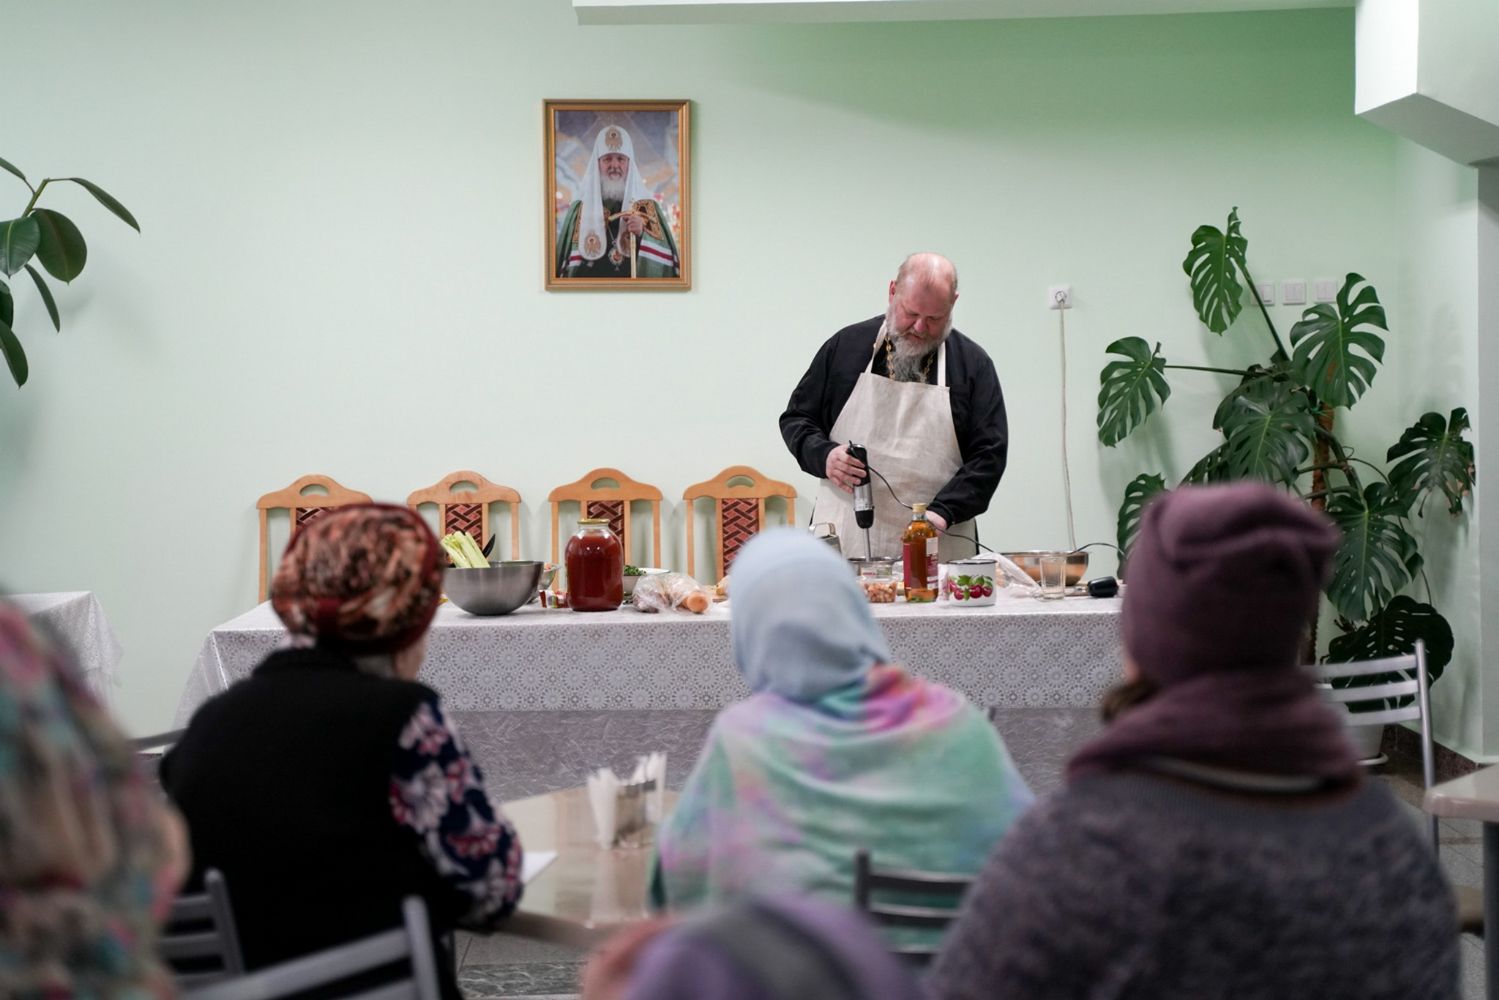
(936, 897)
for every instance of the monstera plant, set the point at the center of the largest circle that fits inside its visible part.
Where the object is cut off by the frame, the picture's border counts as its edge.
(1279, 423)
(51, 239)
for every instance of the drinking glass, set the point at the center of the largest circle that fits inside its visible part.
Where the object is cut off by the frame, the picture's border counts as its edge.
(1053, 576)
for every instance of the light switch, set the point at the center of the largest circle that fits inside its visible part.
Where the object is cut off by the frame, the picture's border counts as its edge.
(1325, 289)
(1266, 290)
(1293, 293)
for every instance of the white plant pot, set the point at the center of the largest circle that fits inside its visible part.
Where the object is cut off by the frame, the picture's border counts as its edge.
(1366, 739)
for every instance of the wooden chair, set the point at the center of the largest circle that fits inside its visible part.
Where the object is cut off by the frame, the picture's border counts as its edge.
(199, 941)
(739, 493)
(926, 887)
(301, 507)
(468, 509)
(610, 502)
(409, 944)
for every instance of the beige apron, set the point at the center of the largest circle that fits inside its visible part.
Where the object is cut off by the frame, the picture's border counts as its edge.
(907, 429)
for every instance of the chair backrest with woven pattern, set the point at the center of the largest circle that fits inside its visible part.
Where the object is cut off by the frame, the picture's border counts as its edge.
(468, 509)
(738, 494)
(934, 900)
(408, 944)
(302, 507)
(199, 941)
(1391, 689)
(596, 498)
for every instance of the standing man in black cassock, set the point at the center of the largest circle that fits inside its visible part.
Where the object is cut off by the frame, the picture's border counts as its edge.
(923, 400)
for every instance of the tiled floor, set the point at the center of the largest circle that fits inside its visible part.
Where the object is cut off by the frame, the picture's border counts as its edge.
(524, 753)
(1462, 859)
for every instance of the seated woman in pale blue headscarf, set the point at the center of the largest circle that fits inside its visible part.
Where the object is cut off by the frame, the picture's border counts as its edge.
(836, 749)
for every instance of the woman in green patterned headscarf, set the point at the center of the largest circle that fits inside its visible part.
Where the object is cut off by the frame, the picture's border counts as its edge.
(90, 857)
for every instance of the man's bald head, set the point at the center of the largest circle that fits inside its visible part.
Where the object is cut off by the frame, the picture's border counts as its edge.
(918, 317)
(927, 270)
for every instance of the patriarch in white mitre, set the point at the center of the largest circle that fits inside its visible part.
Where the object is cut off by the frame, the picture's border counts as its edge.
(609, 186)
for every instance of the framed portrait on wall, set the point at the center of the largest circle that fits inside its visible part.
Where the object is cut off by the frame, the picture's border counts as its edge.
(617, 204)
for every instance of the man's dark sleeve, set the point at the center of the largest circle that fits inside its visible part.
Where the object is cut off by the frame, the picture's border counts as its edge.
(806, 423)
(983, 442)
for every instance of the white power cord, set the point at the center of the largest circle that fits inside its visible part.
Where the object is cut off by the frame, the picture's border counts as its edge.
(1062, 304)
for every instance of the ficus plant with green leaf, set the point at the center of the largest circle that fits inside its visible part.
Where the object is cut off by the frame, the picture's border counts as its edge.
(49, 238)
(1278, 423)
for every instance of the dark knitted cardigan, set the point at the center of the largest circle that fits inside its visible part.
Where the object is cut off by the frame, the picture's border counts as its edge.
(284, 780)
(1129, 885)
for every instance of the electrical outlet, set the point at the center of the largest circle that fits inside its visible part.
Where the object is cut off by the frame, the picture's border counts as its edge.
(1293, 293)
(1324, 289)
(1266, 290)
(1059, 297)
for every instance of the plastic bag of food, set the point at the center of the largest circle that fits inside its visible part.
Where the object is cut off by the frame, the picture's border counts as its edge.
(671, 590)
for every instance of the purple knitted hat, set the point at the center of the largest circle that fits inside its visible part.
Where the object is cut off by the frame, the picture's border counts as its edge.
(1223, 578)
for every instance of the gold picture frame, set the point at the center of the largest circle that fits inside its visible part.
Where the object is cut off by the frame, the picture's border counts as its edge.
(638, 152)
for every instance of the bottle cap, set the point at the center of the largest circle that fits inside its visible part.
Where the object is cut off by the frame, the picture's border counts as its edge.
(592, 521)
(918, 510)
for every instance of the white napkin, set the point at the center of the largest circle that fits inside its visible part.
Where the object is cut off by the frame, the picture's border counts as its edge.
(604, 788)
(651, 767)
(603, 793)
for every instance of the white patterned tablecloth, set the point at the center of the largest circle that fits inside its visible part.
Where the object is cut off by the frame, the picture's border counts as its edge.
(1020, 653)
(77, 618)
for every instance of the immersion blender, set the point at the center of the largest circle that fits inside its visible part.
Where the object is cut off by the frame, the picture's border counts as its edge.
(863, 497)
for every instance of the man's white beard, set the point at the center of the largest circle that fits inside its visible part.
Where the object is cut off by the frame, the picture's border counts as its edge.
(910, 351)
(612, 190)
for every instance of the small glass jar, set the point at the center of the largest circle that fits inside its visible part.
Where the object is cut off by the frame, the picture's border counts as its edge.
(595, 567)
(877, 577)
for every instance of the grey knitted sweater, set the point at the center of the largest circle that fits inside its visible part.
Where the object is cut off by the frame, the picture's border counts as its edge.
(1135, 886)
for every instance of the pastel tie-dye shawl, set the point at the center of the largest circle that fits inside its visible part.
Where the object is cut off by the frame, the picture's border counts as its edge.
(835, 750)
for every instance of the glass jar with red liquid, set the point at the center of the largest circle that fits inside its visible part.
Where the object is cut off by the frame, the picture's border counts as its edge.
(595, 567)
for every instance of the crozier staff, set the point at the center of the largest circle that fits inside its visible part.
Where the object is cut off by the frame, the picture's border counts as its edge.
(923, 400)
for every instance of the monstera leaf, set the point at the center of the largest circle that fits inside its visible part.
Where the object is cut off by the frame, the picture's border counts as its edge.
(19, 239)
(1268, 424)
(1377, 557)
(1433, 457)
(1213, 264)
(62, 250)
(1393, 631)
(1130, 390)
(1137, 494)
(7, 305)
(1210, 468)
(1325, 341)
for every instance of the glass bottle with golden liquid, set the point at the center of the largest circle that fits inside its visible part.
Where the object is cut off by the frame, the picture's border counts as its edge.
(919, 556)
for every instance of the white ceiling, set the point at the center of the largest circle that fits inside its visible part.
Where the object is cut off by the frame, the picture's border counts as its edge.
(808, 11)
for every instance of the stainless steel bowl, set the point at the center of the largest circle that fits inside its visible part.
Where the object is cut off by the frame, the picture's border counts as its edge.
(1030, 562)
(498, 590)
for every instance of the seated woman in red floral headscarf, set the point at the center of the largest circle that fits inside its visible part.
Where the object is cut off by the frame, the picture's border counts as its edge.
(328, 785)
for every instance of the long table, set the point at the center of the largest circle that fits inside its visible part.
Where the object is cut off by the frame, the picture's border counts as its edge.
(77, 618)
(1020, 653)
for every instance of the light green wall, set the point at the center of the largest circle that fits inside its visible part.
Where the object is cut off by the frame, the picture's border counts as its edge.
(1436, 285)
(340, 267)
